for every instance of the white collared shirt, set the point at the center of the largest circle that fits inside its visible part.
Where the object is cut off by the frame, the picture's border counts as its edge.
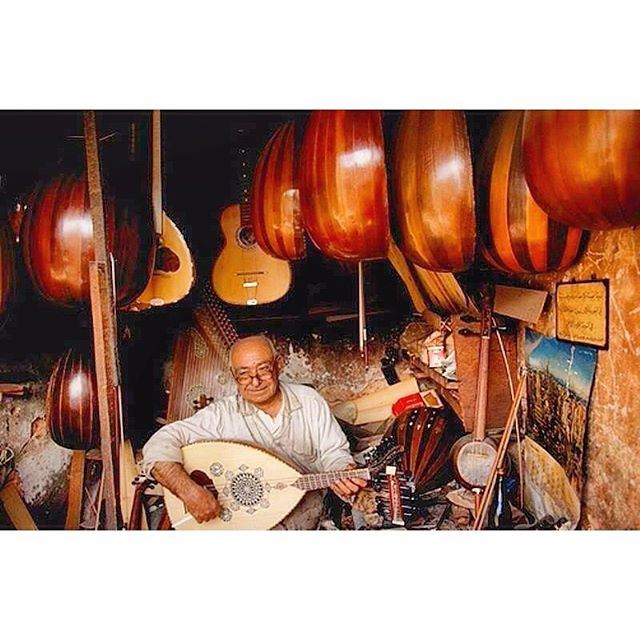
(304, 433)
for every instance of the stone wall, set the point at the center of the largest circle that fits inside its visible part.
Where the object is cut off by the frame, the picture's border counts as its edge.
(611, 499)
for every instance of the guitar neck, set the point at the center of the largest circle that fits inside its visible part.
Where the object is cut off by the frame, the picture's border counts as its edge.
(323, 480)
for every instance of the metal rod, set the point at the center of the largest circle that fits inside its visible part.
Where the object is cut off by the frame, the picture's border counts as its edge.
(362, 317)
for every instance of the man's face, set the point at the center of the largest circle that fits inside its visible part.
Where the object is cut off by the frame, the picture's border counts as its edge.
(255, 371)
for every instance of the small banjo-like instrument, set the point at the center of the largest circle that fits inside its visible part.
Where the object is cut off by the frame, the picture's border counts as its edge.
(473, 454)
(255, 488)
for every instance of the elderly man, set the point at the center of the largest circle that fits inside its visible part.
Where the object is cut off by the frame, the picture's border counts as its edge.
(290, 420)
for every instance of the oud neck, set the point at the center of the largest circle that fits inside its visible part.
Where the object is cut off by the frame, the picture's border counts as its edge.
(323, 480)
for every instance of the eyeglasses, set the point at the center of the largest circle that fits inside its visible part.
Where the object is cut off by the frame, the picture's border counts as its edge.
(263, 372)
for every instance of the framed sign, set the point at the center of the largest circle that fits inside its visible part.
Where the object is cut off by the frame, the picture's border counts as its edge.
(582, 312)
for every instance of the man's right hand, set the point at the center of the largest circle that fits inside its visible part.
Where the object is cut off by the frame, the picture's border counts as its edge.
(201, 503)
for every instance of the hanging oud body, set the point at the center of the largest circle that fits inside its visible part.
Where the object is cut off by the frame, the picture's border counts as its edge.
(343, 184)
(243, 274)
(275, 199)
(583, 167)
(8, 272)
(433, 190)
(72, 401)
(255, 489)
(516, 234)
(57, 241)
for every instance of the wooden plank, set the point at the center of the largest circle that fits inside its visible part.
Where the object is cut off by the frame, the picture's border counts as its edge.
(156, 171)
(400, 264)
(104, 326)
(76, 491)
(16, 509)
(106, 393)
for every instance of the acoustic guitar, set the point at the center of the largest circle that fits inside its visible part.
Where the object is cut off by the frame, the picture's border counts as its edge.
(255, 488)
(244, 274)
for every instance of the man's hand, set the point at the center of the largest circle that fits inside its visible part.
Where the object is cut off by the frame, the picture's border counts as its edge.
(201, 503)
(346, 489)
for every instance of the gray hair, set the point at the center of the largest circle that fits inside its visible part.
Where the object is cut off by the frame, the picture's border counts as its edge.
(260, 336)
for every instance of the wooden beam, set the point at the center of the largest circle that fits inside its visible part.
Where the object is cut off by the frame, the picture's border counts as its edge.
(104, 326)
(16, 508)
(76, 491)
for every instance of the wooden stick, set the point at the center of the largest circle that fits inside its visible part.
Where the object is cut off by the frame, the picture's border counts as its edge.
(100, 494)
(16, 509)
(76, 493)
(502, 450)
(156, 171)
(401, 266)
(104, 324)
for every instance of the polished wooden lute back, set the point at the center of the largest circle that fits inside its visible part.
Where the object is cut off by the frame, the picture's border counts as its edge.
(8, 272)
(72, 401)
(582, 166)
(516, 234)
(433, 190)
(275, 199)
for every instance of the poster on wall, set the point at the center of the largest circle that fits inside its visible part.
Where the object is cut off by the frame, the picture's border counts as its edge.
(582, 312)
(559, 381)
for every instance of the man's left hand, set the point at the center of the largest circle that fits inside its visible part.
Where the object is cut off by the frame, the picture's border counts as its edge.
(346, 489)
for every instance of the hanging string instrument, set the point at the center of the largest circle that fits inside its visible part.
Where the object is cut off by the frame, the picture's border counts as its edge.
(243, 273)
(275, 200)
(433, 190)
(516, 234)
(173, 272)
(473, 455)
(343, 191)
(58, 244)
(255, 488)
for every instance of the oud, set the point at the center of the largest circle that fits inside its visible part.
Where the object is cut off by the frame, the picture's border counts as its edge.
(255, 489)
(244, 274)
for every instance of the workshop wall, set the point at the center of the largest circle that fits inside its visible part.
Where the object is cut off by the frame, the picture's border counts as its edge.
(610, 499)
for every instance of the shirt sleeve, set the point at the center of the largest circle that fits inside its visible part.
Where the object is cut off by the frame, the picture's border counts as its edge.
(333, 446)
(165, 444)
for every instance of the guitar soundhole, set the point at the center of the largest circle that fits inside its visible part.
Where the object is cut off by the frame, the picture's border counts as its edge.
(247, 489)
(245, 237)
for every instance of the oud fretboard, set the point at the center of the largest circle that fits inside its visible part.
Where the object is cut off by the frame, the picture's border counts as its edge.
(323, 480)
